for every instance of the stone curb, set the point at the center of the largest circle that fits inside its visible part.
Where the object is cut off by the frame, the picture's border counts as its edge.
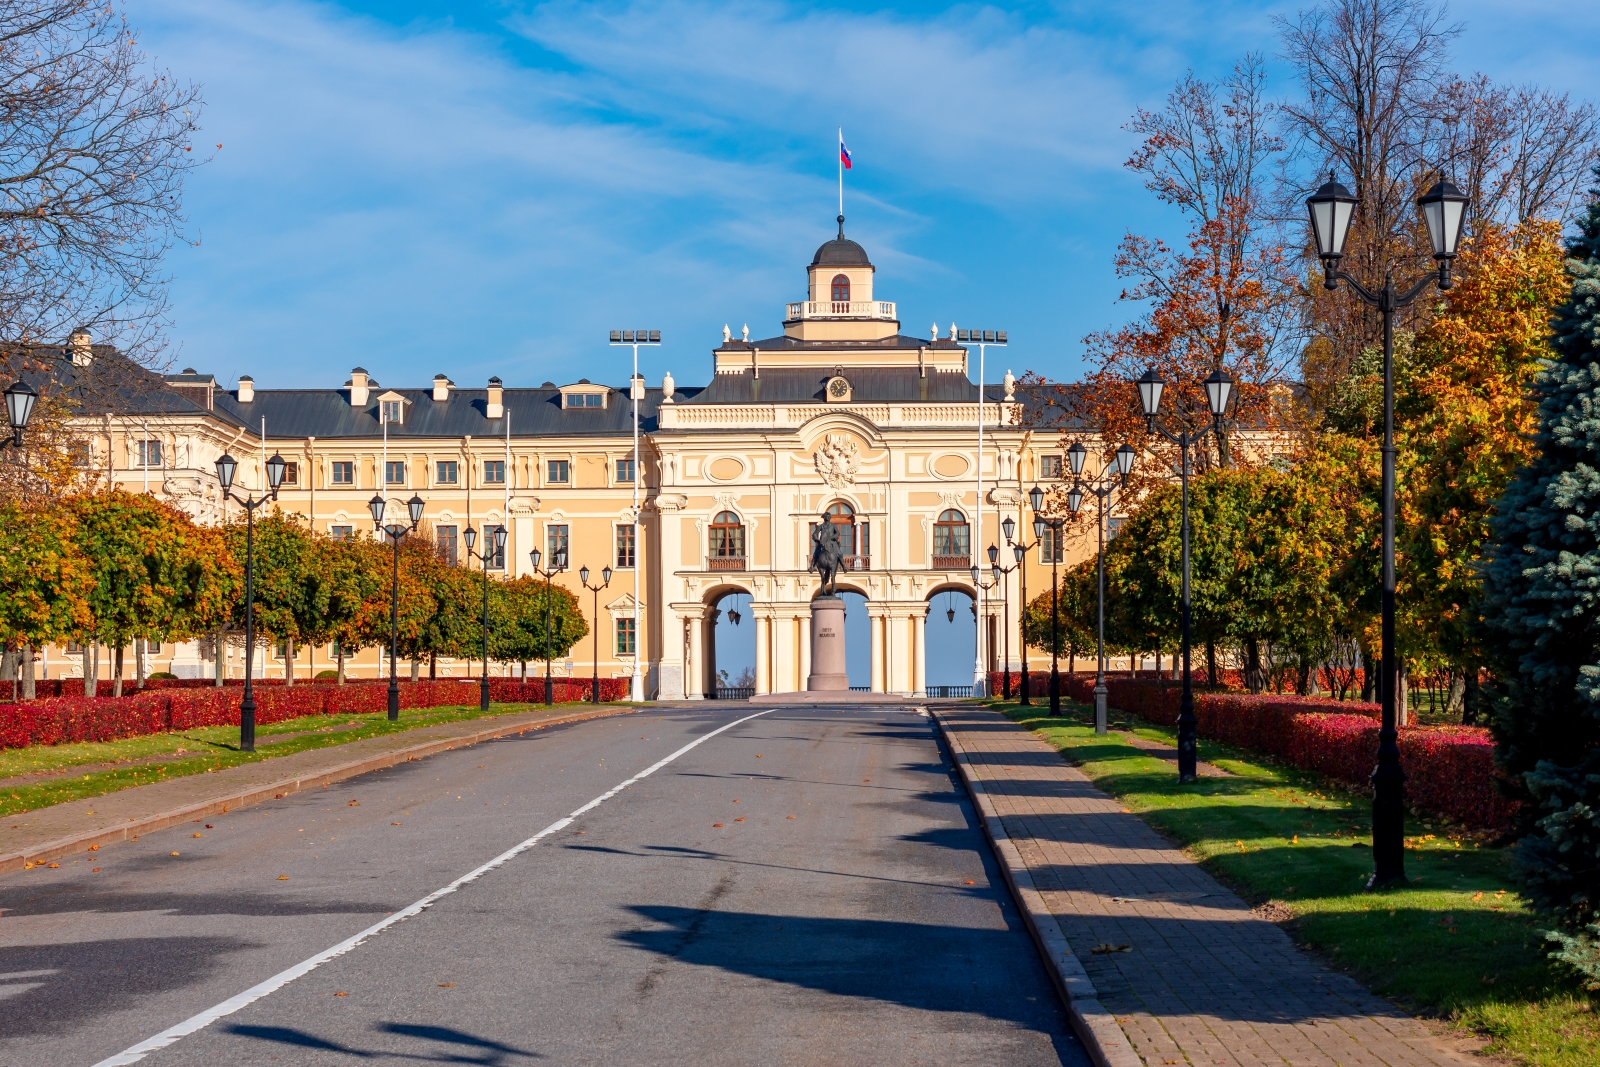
(1108, 1046)
(66, 846)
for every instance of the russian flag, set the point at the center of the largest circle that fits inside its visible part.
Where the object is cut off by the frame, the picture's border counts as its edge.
(844, 154)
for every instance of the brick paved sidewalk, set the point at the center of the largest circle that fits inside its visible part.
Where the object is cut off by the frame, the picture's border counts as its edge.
(1203, 981)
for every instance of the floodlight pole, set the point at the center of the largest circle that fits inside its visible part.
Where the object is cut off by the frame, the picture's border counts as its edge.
(983, 339)
(636, 394)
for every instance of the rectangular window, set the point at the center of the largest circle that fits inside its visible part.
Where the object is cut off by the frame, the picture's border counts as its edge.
(281, 650)
(392, 411)
(342, 533)
(344, 472)
(291, 474)
(625, 471)
(80, 453)
(558, 471)
(1113, 527)
(1050, 546)
(149, 454)
(555, 544)
(394, 472)
(866, 539)
(585, 400)
(152, 648)
(494, 472)
(625, 545)
(627, 638)
(497, 556)
(445, 544)
(448, 471)
(1050, 466)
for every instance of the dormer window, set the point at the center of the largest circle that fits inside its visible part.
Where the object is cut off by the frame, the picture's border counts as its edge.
(584, 395)
(391, 411)
(841, 289)
(391, 408)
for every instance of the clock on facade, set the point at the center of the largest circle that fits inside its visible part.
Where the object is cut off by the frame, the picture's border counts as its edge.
(838, 388)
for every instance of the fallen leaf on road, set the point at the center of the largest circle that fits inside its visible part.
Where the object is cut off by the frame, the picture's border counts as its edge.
(208, 825)
(283, 877)
(739, 819)
(280, 796)
(716, 826)
(394, 824)
(788, 816)
(353, 804)
(451, 985)
(57, 864)
(96, 848)
(1125, 811)
(580, 831)
(758, 755)
(95, 871)
(341, 994)
(196, 835)
(866, 779)
(174, 853)
(970, 882)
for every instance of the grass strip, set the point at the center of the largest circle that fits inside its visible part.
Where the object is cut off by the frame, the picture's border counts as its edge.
(211, 748)
(1457, 943)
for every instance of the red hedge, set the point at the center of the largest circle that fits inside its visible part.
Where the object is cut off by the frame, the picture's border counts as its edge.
(60, 720)
(1449, 769)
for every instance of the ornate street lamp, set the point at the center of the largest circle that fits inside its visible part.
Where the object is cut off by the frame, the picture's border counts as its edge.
(1054, 525)
(227, 467)
(20, 399)
(1444, 210)
(1219, 388)
(605, 580)
(395, 531)
(558, 563)
(1008, 526)
(470, 535)
(1102, 488)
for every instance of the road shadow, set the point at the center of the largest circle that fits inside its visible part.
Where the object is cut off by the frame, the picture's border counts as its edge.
(63, 986)
(83, 896)
(463, 1047)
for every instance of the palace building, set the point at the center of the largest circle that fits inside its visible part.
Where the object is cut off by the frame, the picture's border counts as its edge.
(842, 415)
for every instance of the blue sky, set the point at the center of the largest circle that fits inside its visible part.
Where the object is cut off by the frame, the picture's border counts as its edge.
(487, 187)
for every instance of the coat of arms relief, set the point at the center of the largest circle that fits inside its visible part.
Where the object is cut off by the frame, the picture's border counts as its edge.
(837, 460)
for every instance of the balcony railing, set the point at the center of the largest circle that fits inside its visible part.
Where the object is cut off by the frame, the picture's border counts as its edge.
(841, 309)
(855, 563)
(952, 563)
(734, 692)
(947, 692)
(725, 563)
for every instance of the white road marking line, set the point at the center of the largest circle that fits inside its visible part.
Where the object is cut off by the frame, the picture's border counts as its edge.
(172, 1034)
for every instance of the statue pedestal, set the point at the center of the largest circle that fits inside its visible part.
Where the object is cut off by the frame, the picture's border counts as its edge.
(827, 647)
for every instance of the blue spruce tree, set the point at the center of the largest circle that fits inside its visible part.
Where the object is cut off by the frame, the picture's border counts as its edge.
(1541, 613)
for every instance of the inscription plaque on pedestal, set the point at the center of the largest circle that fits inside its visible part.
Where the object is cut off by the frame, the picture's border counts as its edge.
(827, 646)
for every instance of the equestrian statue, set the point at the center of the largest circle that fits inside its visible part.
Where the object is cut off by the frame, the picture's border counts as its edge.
(827, 554)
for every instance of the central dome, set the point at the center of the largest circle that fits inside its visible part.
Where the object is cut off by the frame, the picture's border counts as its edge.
(841, 252)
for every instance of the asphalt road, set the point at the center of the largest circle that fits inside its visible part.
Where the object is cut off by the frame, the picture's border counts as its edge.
(809, 886)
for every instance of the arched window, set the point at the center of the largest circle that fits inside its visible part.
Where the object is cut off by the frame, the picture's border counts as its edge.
(852, 536)
(952, 544)
(841, 289)
(727, 542)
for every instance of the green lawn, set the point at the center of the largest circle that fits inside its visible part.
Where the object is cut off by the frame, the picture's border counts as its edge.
(198, 751)
(1457, 943)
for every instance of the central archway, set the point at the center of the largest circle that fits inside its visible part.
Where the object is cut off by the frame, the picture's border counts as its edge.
(948, 638)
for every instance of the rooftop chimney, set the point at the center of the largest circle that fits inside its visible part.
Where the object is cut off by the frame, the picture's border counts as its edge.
(441, 387)
(247, 389)
(82, 347)
(358, 388)
(496, 406)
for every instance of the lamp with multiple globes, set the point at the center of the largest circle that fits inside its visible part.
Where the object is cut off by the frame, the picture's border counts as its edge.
(227, 469)
(396, 532)
(1111, 475)
(605, 580)
(558, 563)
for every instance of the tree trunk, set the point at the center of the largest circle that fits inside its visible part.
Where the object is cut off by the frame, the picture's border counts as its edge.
(220, 648)
(9, 672)
(1302, 683)
(138, 663)
(1252, 665)
(116, 672)
(341, 664)
(1458, 692)
(1211, 664)
(524, 671)
(91, 669)
(1368, 681)
(416, 668)
(29, 690)
(1402, 692)
(1470, 694)
(433, 666)
(1158, 663)
(288, 661)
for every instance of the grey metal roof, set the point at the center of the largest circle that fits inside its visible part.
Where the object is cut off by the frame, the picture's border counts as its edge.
(326, 413)
(111, 383)
(868, 385)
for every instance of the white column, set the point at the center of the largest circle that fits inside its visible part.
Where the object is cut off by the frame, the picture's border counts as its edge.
(920, 651)
(763, 654)
(875, 624)
(694, 670)
(805, 649)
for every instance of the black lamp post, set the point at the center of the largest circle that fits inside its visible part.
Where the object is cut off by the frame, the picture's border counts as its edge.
(498, 552)
(227, 466)
(1219, 388)
(1102, 488)
(20, 399)
(1040, 524)
(1008, 526)
(980, 595)
(605, 580)
(1444, 209)
(557, 565)
(396, 531)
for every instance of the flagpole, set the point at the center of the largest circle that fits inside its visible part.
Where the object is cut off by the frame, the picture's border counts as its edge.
(841, 170)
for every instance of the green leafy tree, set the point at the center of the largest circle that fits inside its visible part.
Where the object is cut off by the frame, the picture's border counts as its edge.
(46, 580)
(1072, 640)
(1541, 615)
(518, 622)
(289, 592)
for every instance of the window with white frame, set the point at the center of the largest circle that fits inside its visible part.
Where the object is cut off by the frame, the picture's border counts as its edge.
(394, 472)
(627, 637)
(558, 471)
(626, 547)
(344, 472)
(1050, 545)
(447, 472)
(494, 472)
(342, 533)
(625, 471)
(148, 453)
(393, 410)
(555, 544)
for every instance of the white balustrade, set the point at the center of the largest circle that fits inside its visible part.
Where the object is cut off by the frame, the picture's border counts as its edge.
(841, 309)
